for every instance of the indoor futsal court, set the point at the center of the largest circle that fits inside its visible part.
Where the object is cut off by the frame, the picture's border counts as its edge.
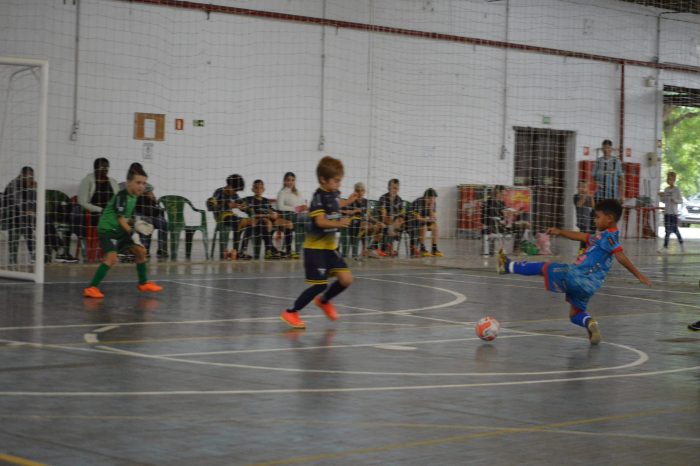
(206, 373)
(186, 184)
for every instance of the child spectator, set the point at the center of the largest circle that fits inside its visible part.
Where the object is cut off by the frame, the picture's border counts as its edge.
(321, 258)
(363, 225)
(492, 218)
(262, 218)
(292, 207)
(671, 197)
(580, 281)
(229, 213)
(584, 208)
(118, 232)
(393, 215)
(422, 217)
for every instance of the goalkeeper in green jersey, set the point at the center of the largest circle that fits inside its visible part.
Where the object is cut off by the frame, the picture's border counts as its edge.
(118, 231)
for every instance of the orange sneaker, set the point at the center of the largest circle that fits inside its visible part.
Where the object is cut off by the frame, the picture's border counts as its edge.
(150, 287)
(93, 292)
(292, 319)
(328, 308)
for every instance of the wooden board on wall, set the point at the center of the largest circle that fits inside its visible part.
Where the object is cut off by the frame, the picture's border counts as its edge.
(149, 126)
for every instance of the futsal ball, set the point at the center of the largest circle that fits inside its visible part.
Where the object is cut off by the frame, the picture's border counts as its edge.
(487, 328)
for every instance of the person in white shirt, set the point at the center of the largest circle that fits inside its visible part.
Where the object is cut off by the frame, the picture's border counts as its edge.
(671, 197)
(292, 206)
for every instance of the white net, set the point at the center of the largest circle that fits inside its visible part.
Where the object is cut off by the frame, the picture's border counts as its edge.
(459, 96)
(20, 103)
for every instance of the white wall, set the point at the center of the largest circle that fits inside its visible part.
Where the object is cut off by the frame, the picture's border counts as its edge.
(427, 112)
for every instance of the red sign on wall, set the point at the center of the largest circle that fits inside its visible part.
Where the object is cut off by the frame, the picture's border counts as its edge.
(179, 124)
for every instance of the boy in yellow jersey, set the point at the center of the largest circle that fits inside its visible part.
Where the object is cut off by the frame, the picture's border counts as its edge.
(321, 258)
(116, 234)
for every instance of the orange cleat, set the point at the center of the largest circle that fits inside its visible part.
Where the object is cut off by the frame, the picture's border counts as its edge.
(327, 308)
(93, 292)
(292, 319)
(150, 287)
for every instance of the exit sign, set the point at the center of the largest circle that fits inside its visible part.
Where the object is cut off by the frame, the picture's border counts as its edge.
(198, 123)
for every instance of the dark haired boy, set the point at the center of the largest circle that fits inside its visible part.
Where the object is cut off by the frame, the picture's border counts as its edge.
(580, 280)
(422, 218)
(228, 210)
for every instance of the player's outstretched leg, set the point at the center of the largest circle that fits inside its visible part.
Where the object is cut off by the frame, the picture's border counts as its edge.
(505, 265)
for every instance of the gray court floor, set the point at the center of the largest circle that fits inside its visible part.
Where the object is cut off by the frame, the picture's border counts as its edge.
(205, 373)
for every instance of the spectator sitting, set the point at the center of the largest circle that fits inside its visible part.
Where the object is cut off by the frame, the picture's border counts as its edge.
(96, 189)
(262, 217)
(363, 224)
(228, 210)
(148, 210)
(421, 219)
(292, 207)
(393, 215)
(20, 212)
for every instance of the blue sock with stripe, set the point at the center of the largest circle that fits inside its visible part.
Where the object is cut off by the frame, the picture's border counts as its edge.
(525, 268)
(581, 319)
(334, 290)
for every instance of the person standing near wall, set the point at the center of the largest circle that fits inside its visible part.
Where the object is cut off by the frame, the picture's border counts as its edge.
(607, 173)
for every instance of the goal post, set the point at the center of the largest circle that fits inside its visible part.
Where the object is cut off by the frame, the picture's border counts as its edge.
(23, 143)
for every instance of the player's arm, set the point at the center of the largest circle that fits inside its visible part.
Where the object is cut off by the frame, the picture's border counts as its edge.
(568, 234)
(124, 224)
(351, 198)
(626, 263)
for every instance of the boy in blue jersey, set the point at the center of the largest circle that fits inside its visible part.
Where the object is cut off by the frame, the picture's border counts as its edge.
(580, 280)
(321, 258)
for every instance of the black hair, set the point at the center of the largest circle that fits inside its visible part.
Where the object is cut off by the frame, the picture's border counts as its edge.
(609, 207)
(430, 192)
(236, 182)
(100, 162)
(135, 169)
(258, 181)
(499, 188)
(393, 181)
(26, 170)
(606, 142)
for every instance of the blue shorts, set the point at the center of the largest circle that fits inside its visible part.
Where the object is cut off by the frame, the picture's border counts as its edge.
(320, 264)
(558, 280)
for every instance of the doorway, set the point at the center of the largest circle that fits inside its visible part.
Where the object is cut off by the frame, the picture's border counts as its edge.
(540, 163)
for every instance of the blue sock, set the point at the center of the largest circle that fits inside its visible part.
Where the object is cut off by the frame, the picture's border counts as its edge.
(306, 296)
(525, 268)
(580, 319)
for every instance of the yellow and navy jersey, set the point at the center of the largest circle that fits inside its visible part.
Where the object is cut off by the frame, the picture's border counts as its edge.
(257, 207)
(393, 207)
(421, 207)
(361, 204)
(324, 204)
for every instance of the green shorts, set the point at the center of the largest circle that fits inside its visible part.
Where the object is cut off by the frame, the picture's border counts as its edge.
(118, 242)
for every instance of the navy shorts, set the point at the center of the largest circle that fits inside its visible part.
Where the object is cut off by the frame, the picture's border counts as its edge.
(320, 264)
(558, 279)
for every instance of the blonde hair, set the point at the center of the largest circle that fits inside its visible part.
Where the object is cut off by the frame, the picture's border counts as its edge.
(360, 185)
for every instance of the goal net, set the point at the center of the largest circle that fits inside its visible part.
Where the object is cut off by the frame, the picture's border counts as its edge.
(23, 107)
(460, 96)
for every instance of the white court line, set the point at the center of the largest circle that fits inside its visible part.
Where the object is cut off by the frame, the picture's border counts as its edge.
(305, 348)
(281, 391)
(642, 358)
(598, 293)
